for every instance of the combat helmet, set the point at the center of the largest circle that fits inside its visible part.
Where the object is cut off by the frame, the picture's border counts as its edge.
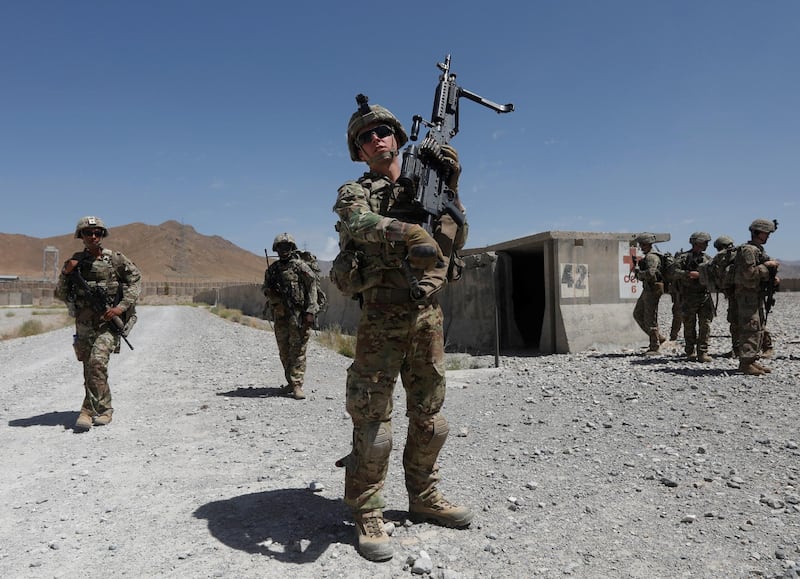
(90, 221)
(367, 115)
(699, 237)
(648, 238)
(723, 242)
(283, 238)
(764, 225)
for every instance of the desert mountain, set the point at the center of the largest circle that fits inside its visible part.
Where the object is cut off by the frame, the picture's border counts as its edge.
(167, 252)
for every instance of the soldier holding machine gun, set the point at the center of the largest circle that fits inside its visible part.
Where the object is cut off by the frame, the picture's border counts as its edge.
(101, 287)
(400, 228)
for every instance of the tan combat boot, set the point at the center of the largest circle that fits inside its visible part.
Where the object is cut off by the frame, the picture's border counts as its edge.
(373, 541)
(104, 418)
(749, 368)
(762, 367)
(298, 393)
(703, 357)
(84, 421)
(439, 510)
(655, 343)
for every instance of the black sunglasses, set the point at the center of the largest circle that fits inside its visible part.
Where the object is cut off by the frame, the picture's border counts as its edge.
(93, 232)
(381, 131)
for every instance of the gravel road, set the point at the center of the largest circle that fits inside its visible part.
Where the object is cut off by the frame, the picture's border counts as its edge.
(594, 464)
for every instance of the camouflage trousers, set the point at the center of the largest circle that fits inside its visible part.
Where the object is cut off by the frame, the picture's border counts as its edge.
(697, 312)
(645, 312)
(405, 340)
(94, 344)
(750, 318)
(292, 341)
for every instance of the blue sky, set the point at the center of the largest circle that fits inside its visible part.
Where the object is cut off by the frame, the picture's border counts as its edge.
(631, 115)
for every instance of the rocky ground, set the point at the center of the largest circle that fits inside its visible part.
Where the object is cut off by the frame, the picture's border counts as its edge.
(594, 464)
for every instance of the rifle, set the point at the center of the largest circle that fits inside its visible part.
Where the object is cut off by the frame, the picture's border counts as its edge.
(634, 263)
(100, 302)
(425, 170)
(771, 286)
(769, 293)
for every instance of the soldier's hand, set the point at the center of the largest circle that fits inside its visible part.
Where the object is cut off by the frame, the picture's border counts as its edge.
(694, 275)
(69, 266)
(423, 251)
(772, 263)
(450, 156)
(112, 312)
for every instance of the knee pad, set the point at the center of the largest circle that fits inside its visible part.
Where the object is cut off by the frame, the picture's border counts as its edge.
(428, 431)
(373, 440)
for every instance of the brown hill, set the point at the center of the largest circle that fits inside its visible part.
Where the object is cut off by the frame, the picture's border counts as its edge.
(167, 252)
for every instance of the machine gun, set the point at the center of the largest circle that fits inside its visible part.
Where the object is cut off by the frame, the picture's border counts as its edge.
(100, 303)
(424, 171)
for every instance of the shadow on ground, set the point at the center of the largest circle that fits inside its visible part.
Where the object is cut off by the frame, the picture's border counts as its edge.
(59, 418)
(251, 392)
(290, 525)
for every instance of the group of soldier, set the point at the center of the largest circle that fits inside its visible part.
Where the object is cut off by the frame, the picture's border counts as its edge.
(754, 278)
(395, 269)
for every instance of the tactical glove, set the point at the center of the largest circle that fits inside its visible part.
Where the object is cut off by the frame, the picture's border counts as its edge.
(451, 158)
(447, 158)
(423, 251)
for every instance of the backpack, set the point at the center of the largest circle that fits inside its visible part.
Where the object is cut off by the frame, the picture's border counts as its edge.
(667, 269)
(718, 274)
(311, 260)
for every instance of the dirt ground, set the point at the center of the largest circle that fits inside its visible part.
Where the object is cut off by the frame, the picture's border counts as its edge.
(594, 464)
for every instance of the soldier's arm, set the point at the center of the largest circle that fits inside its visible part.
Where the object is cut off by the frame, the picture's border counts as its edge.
(131, 279)
(354, 211)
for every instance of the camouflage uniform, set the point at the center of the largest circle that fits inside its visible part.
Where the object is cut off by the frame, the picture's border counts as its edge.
(395, 337)
(722, 243)
(291, 289)
(751, 278)
(697, 306)
(648, 271)
(383, 261)
(95, 338)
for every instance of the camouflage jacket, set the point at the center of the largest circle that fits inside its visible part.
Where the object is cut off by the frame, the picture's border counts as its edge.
(750, 271)
(291, 283)
(362, 207)
(114, 273)
(685, 263)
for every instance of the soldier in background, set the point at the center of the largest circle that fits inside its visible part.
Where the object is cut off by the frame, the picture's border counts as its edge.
(396, 335)
(697, 306)
(648, 271)
(291, 289)
(725, 243)
(114, 277)
(755, 273)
